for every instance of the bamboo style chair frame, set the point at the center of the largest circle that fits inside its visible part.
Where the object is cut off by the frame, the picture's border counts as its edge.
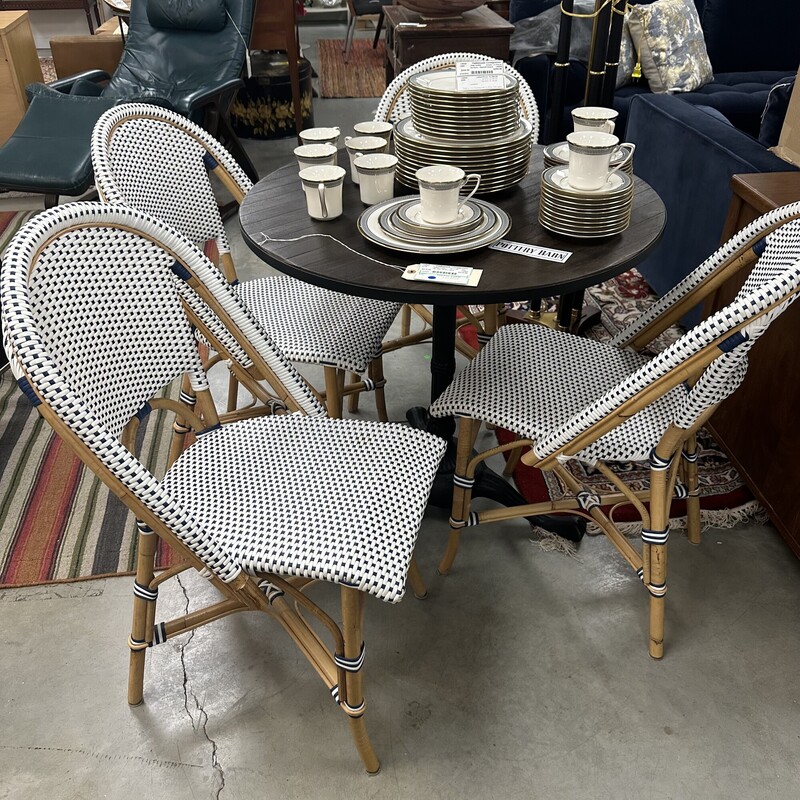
(673, 458)
(395, 104)
(128, 179)
(46, 374)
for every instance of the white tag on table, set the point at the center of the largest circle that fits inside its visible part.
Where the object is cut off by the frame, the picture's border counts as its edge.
(443, 273)
(531, 250)
(472, 75)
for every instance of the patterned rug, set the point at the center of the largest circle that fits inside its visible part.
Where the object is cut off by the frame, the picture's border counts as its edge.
(362, 76)
(57, 521)
(724, 499)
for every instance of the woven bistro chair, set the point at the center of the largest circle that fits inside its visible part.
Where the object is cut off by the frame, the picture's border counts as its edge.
(606, 402)
(262, 507)
(395, 104)
(155, 160)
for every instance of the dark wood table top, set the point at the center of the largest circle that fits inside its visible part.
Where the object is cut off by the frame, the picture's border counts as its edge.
(276, 207)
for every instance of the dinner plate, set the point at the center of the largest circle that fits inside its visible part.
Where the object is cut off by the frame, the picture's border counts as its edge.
(443, 81)
(370, 228)
(405, 130)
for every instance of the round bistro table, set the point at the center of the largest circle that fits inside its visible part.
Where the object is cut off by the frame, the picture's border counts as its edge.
(276, 208)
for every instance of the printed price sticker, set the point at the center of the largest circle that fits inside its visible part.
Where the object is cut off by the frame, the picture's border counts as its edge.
(472, 75)
(443, 273)
(531, 250)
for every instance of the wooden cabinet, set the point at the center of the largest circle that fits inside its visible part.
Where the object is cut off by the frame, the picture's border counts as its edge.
(19, 66)
(758, 425)
(410, 39)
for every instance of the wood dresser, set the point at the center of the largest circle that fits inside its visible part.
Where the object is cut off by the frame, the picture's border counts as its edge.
(759, 425)
(19, 66)
(410, 38)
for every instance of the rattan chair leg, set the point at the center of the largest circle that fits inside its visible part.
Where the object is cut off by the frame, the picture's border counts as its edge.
(143, 610)
(512, 462)
(376, 374)
(233, 392)
(405, 320)
(179, 426)
(657, 560)
(462, 492)
(353, 632)
(415, 580)
(352, 400)
(333, 394)
(693, 488)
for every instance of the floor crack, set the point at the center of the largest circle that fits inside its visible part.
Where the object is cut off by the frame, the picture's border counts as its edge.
(201, 723)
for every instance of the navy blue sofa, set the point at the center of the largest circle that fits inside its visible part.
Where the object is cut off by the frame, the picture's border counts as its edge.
(751, 47)
(688, 156)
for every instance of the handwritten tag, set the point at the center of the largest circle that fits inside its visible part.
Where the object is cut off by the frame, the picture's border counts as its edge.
(531, 250)
(443, 273)
(472, 75)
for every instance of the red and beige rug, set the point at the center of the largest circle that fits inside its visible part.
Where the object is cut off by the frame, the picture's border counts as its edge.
(362, 76)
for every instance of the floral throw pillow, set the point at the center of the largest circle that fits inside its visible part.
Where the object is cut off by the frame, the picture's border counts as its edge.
(669, 40)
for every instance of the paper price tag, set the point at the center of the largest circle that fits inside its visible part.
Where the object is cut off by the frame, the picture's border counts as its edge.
(531, 250)
(472, 75)
(443, 273)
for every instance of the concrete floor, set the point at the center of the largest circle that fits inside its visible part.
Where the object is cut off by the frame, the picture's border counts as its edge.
(525, 673)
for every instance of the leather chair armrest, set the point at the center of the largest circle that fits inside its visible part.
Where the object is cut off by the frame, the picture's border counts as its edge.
(64, 85)
(206, 95)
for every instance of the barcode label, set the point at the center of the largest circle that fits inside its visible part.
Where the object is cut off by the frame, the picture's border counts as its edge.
(531, 250)
(443, 273)
(472, 75)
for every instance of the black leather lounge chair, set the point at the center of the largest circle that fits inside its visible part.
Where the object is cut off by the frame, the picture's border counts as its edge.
(185, 56)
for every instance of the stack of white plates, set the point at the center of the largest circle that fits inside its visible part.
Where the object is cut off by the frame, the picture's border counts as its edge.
(501, 162)
(585, 214)
(439, 109)
(557, 155)
(398, 225)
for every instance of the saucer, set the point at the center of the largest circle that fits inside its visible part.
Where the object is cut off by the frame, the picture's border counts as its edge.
(412, 214)
(616, 181)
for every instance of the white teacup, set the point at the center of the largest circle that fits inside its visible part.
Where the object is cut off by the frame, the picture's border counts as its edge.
(439, 186)
(376, 177)
(590, 155)
(361, 146)
(315, 155)
(594, 118)
(382, 129)
(320, 136)
(323, 188)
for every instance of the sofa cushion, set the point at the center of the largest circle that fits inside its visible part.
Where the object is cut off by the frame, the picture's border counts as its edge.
(669, 40)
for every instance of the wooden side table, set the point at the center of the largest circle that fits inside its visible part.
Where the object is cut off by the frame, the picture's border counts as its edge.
(410, 38)
(19, 66)
(757, 426)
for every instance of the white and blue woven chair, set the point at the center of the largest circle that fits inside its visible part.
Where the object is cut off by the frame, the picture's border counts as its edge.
(155, 160)
(395, 104)
(262, 507)
(606, 402)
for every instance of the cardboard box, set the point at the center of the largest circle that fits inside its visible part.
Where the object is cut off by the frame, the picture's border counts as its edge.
(74, 54)
(788, 147)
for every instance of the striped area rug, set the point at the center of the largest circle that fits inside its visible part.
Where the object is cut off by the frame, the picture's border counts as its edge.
(57, 521)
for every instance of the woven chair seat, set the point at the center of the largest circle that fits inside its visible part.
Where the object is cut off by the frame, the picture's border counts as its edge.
(530, 380)
(312, 325)
(336, 500)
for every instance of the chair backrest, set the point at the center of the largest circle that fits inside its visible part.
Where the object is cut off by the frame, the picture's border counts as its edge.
(158, 161)
(173, 51)
(395, 102)
(739, 251)
(725, 336)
